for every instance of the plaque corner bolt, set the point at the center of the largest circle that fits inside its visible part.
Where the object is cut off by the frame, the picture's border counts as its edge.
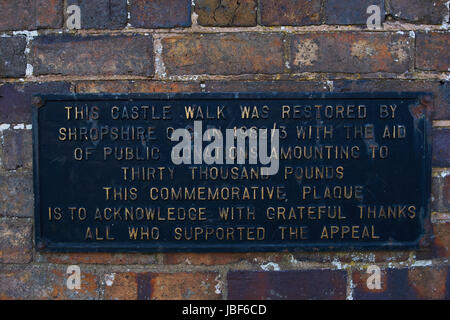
(41, 245)
(38, 102)
(426, 99)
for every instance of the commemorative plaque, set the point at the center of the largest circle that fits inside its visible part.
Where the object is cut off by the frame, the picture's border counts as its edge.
(230, 171)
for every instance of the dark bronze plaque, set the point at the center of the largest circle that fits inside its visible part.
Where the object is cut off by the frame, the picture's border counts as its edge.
(353, 172)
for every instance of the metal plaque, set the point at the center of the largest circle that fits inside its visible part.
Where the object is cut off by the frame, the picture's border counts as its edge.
(170, 172)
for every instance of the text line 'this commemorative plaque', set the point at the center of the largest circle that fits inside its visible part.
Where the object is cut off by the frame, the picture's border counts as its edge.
(230, 171)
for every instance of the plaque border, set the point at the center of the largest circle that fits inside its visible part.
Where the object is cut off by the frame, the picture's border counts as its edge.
(421, 100)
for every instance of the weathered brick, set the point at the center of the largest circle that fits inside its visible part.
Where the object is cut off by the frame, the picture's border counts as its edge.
(227, 54)
(97, 258)
(102, 14)
(16, 195)
(440, 187)
(136, 86)
(358, 52)
(440, 108)
(160, 13)
(351, 256)
(12, 57)
(439, 89)
(441, 243)
(441, 151)
(17, 15)
(15, 240)
(226, 13)
(311, 284)
(350, 11)
(30, 14)
(404, 284)
(419, 11)
(430, 283)
(92, 55)
(49, 14)
(17, 149)
(15, 99)
(45, 282)
(121, 286)
(432, 51)
(290, 12)
(216, 258)
(162, 286)
(282, 86)
(185, 286)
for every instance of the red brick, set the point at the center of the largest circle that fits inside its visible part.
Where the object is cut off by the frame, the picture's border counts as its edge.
(356, 52)
(12, 57)
(361, 290)
(121, 286)
(45, 282)
(419, 11)
(15, 241)
(97, 258)
(30, 14)
(17, 149)
(185, 286)
(441, 151)
(403, 284)
(432, 51)
(351, 256)
(429, 283)
(160, 13)
(441, 243)
(102, 14)
(49, 14)
(92, 55)
(136, 86)
(226, 13)
(282, 285)
(290, 12)
(162, 286)
(446, 192)
(16, 195)
(440, 187)
(211, 259)
(226, 54)
(350, 11)
(15, 99)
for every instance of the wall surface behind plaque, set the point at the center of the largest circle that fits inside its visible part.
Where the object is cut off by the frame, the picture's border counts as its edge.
(218, 46)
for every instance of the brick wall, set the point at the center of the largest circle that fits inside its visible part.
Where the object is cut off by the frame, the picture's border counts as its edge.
(215, 46)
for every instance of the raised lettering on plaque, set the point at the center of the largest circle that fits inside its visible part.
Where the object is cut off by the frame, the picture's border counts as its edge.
(230, 171)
